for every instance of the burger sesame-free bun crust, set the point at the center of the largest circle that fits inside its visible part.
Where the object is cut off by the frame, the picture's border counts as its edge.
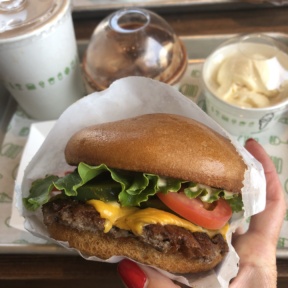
(163, 144)
(104, 247)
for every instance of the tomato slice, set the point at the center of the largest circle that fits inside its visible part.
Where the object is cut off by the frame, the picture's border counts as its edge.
(194, 211)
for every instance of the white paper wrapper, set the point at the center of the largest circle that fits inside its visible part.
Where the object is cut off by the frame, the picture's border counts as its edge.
(126, 98)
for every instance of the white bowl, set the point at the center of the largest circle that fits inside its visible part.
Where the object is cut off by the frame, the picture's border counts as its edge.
(259, 63)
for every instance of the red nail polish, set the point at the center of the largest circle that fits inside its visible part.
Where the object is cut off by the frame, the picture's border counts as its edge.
(250, 140)
(131, 274)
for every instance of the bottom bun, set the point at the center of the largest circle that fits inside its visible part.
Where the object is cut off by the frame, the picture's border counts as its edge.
(104, 246)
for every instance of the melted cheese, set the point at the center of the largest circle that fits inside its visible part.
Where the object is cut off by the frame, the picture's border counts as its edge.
(134, 219)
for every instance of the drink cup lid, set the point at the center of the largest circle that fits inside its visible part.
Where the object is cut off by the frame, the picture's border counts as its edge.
(20, 17)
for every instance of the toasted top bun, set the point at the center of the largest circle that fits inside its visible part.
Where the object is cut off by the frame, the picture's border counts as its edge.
(163, 144)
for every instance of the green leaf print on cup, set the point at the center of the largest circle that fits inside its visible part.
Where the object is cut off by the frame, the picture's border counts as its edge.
(225, 118)
(51, 81)
(67, 70)
(60, 76)
(30, 86)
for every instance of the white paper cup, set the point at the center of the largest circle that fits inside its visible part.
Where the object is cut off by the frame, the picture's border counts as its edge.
(237, 119)
(39, 63)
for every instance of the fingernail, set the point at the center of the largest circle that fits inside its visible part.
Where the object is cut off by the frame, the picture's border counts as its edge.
(131, 274)
(250, 140)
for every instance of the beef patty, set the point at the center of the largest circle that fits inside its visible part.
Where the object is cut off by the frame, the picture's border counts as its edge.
(167, 239)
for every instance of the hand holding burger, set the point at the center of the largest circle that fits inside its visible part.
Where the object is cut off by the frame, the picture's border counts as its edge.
(256, 247)
(158, 188)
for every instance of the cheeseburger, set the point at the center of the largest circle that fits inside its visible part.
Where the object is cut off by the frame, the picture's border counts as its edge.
(157, 188)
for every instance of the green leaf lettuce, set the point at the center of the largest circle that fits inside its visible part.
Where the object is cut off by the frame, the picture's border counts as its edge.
(128, 188)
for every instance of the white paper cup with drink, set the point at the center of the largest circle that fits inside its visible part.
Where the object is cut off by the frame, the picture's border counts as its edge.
(39, 62)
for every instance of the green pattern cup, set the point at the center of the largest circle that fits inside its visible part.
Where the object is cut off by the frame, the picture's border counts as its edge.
(38, 56)
(245, 82)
